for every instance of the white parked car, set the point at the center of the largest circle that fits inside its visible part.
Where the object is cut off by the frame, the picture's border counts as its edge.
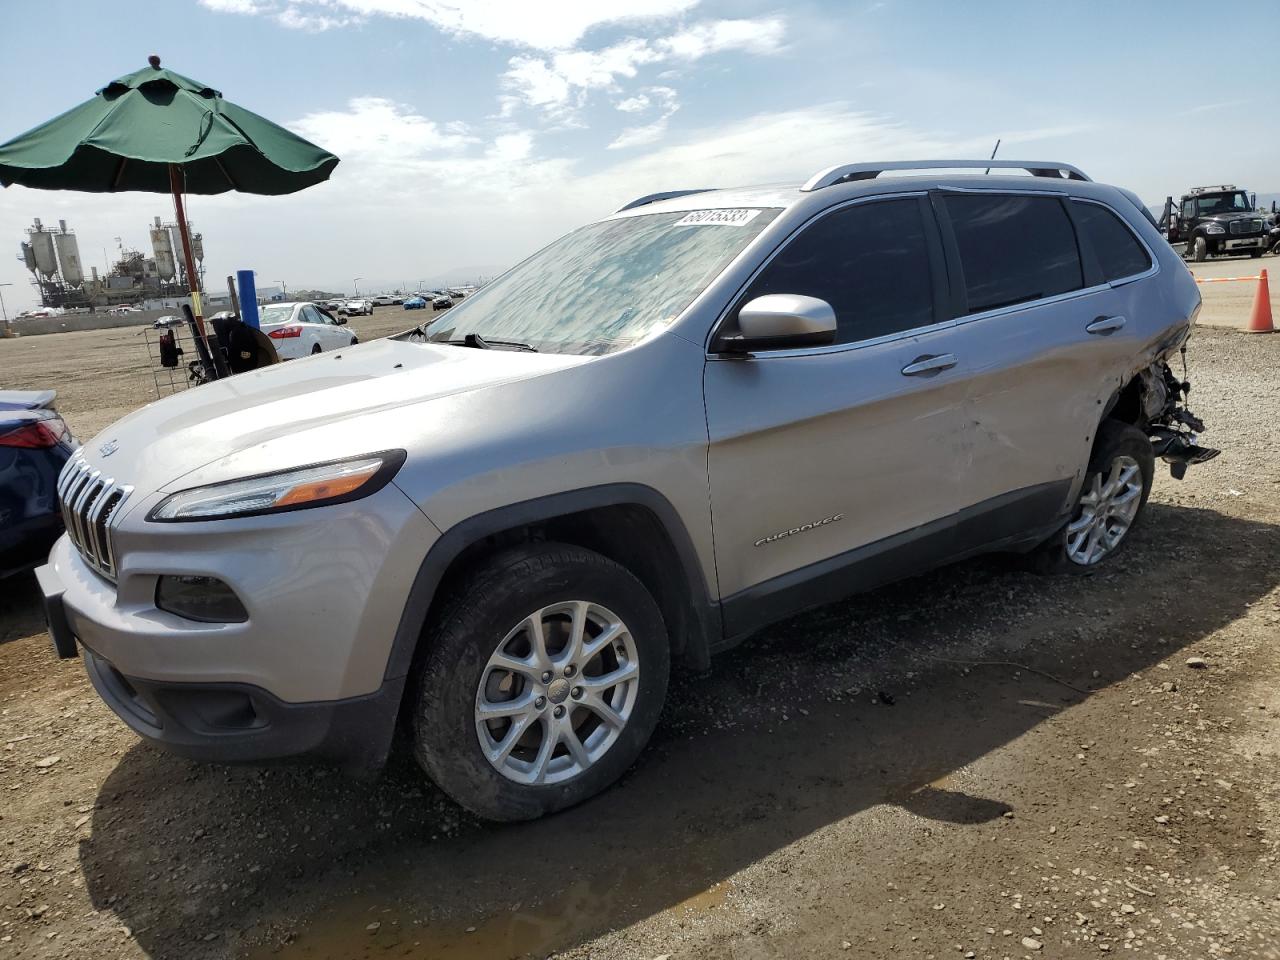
(386, 300)
(357, 308)
(301, 329)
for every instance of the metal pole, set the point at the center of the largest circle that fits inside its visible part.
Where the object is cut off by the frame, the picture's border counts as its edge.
(193, 280)
(284, 291)
(356, 283)
(3, 313)
(235, 298)
(248, 298)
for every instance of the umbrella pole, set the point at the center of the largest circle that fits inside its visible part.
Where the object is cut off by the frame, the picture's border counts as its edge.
(193, 278)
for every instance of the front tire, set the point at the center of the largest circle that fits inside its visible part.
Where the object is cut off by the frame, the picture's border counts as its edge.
(542, 682)
(1116, 486)
(1199, 249)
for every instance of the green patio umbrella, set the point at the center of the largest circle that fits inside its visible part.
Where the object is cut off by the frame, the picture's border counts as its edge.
(160, 132)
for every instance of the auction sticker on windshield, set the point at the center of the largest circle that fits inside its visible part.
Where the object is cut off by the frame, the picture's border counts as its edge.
(723, 218)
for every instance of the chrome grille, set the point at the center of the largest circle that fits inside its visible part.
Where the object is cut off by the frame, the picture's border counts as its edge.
(1245, 226)
(89, 501)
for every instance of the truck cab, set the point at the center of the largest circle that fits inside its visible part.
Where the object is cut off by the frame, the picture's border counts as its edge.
(1217, 221)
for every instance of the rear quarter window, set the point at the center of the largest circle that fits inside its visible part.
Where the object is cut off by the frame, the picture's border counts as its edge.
(1013, 248)
(1118, 251)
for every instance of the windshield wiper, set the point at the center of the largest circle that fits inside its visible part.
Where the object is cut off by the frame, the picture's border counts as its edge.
(481, 343)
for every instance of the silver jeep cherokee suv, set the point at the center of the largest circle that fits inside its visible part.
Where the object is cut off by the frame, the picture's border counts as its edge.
(708, 411)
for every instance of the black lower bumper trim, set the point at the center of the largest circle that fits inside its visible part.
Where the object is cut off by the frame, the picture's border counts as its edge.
(241, 723)
(55, 613)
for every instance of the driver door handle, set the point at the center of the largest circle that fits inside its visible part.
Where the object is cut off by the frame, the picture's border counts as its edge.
(1105, 325)
(922, 366)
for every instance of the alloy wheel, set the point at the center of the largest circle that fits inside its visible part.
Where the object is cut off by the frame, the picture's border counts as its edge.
(1106, 511)
(557, 692)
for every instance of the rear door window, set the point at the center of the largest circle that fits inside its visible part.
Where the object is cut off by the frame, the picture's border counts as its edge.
(1119, 252)
(1013, 248)
(870, 261)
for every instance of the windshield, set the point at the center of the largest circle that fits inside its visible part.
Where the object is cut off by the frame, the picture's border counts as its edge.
(1212, 203)
(607, 285)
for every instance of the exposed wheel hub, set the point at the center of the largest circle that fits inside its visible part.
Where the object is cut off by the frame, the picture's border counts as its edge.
(558, 692)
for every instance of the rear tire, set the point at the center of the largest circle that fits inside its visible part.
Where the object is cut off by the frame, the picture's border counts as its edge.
(1255, 254)
(492, 691)
(315, 349)
(1120, 472)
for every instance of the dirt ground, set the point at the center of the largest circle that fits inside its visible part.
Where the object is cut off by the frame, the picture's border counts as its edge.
(975, 763)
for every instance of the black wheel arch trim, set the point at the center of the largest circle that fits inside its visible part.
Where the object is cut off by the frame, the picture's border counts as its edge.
(707, 630)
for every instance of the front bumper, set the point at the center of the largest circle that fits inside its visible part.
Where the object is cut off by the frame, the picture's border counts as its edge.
(1229, 242)
(238, 723)
(307, 673)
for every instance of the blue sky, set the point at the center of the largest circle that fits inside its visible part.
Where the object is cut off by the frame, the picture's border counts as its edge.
(472, 133)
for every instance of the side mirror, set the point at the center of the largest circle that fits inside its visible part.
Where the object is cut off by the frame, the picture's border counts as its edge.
(782, 321)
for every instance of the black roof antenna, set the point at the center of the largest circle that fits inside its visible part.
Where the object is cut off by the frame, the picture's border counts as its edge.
(993, 150)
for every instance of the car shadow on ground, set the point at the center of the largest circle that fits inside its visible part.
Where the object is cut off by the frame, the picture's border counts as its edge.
(20, 613)
(813, 721)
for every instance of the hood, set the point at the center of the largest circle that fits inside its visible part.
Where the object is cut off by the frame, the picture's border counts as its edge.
(1225, 217)
(302, 411)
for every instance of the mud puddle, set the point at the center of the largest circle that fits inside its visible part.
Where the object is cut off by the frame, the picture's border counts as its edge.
(355, 931)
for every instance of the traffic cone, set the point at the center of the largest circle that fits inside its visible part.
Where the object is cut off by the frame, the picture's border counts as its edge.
(1260, 319)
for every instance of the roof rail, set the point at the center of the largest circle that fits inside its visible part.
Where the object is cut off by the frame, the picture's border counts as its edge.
(665, 195)
(846, 172)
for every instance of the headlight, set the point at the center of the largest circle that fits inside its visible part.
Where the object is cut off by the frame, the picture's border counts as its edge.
(313, 486)
(1215, 228)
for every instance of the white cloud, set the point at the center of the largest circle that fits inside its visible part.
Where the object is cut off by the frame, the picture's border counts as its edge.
(1210, 107)
(524, 23)
(296, 18)
(388, 150)
(637, 104)
(640, 136)
(236, 6)
(655, 130)
(560, 83)
(760, 36)
(786, 146)
(376, 126)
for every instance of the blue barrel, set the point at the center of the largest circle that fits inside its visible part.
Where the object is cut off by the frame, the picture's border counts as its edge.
(248, 298)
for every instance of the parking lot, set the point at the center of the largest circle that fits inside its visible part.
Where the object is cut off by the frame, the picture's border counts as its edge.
(979, 762)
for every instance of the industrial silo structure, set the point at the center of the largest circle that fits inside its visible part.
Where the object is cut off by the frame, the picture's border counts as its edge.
(68, 255)
(162, 244)
(41, 241)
